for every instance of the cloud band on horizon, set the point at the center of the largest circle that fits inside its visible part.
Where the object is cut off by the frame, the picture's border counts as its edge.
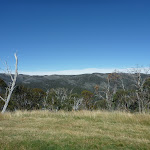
(73, 72)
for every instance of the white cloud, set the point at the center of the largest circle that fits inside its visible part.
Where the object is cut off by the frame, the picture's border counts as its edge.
(73, 72)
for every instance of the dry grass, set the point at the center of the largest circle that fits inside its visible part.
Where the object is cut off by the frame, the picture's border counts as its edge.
(74, 130)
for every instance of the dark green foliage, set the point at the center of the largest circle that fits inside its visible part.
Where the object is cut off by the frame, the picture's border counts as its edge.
(25, 98)
(88, 99)
(77, 92)
(2, 83)
(100, 105)
(147, 84)
(123, 99)
(3, 86)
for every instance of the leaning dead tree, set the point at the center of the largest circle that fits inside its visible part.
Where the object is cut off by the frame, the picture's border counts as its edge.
(11, 85)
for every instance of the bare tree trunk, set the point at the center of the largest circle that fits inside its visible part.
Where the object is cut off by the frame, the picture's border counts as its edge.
(139, 84)
(11, 88)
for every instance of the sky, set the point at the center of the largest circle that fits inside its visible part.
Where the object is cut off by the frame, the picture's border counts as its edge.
(74, 36)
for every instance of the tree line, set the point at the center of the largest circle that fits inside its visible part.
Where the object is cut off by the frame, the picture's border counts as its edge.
(114, 95)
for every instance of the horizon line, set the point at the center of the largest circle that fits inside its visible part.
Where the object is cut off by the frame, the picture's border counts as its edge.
(75, 71)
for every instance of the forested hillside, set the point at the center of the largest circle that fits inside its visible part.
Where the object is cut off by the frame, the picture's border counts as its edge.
(114, 91)
(75, 82)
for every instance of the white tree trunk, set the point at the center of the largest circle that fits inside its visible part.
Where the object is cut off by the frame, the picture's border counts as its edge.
(11, 88)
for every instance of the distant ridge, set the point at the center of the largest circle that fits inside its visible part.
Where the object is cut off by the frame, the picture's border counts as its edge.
(75, 82)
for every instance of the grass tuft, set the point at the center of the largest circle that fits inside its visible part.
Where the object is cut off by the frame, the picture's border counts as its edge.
(38, 130)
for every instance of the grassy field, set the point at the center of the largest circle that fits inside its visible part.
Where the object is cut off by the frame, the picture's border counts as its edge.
(43, 130)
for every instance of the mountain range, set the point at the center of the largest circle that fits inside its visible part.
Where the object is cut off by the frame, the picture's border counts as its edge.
(75, 82)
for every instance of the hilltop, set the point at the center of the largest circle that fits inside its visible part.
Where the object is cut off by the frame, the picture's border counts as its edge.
(75, 82)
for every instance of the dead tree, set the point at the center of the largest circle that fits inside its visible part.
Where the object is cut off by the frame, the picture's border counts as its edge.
(77, 102)
(141, 93)
(11, 85)
(111, 91)
(106, 93)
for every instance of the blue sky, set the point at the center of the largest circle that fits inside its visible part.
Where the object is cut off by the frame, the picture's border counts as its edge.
(58, 35)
